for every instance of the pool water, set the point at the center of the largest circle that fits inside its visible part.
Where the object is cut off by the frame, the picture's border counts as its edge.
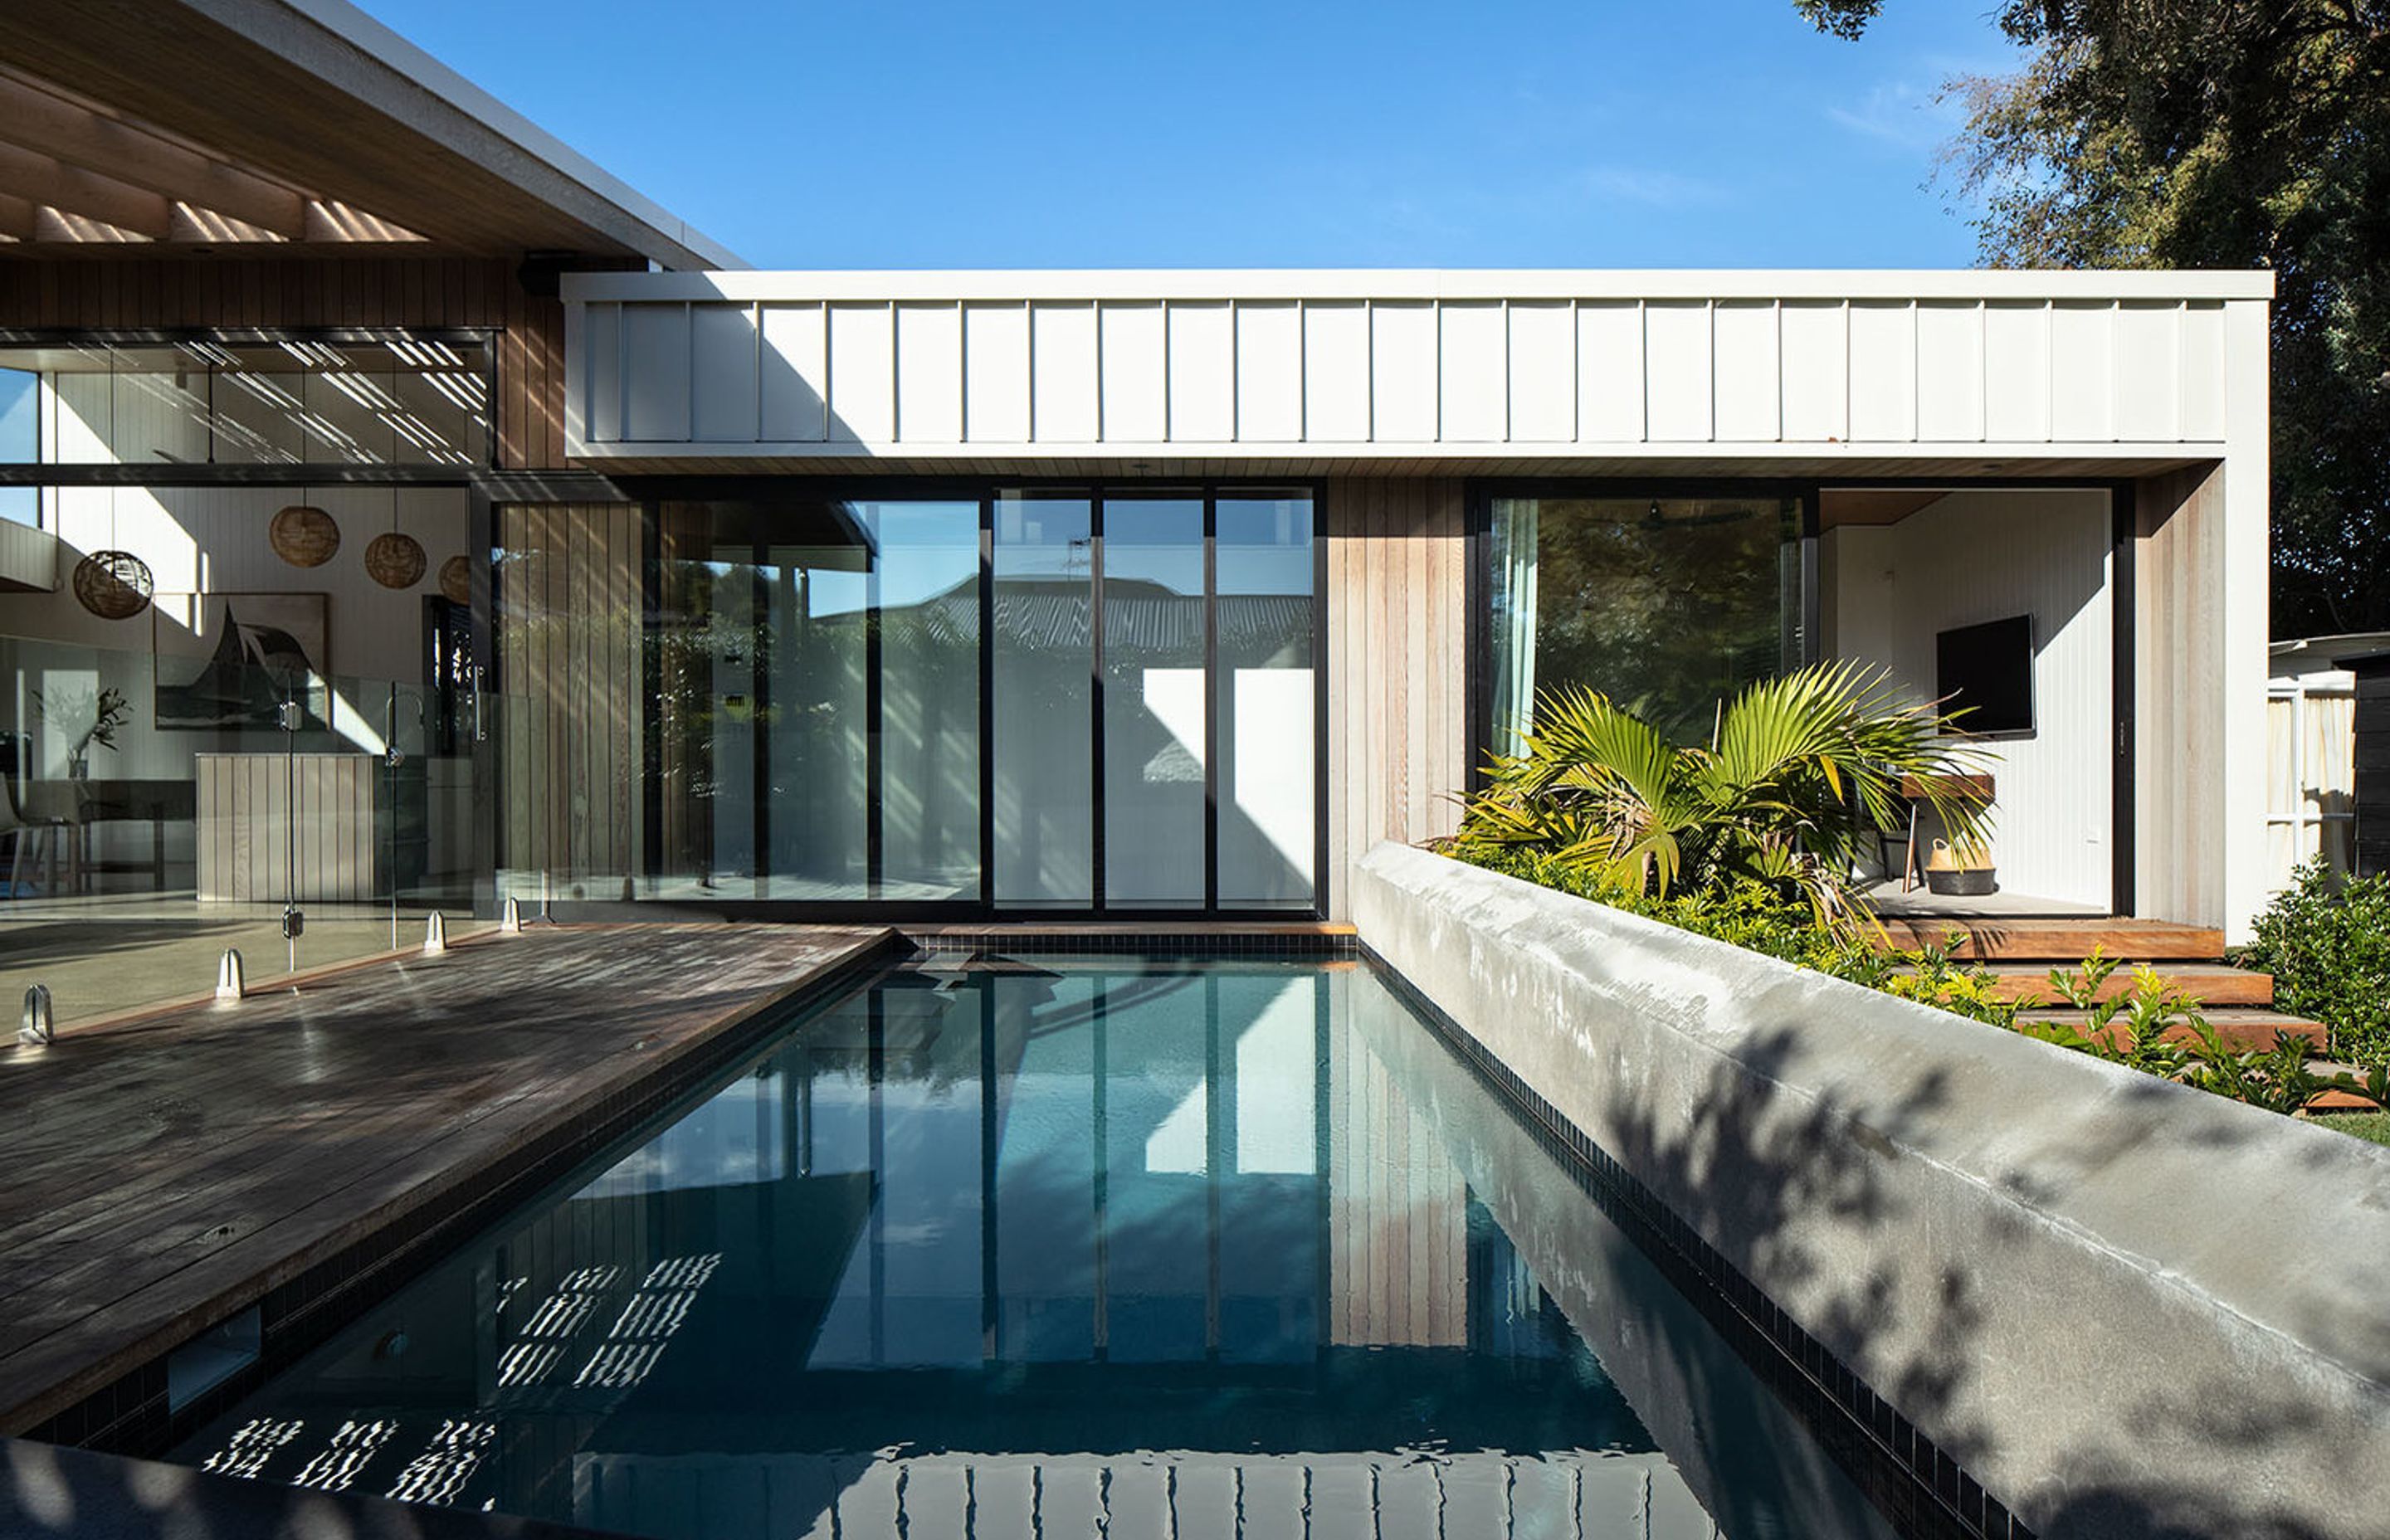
(1037, 1247)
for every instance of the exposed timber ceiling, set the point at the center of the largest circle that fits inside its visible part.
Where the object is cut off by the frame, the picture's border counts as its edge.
(283, 127)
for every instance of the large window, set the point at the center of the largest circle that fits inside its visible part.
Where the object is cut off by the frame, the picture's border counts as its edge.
(248, 398)
(1664, 604)
(1034, 701)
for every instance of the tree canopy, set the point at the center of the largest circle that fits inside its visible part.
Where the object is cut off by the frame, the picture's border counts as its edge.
(2217, 133)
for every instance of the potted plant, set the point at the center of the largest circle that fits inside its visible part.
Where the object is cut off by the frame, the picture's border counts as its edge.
(107, 710)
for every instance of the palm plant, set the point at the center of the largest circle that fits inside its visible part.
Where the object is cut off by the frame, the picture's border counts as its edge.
(1799, 773)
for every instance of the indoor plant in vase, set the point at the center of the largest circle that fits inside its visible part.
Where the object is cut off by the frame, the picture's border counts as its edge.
(107, 710)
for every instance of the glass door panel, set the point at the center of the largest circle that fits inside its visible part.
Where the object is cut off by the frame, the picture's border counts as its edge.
(1264, 680)
(925, 609)
(813, 802)
(1155, 717)
(1042, 768)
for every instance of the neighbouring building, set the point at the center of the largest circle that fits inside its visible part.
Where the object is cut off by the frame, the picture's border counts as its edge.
(604, 573)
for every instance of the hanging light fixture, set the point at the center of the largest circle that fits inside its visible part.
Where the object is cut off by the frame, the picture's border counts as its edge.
(114, 584)
(395, 560)
(303, 535)
(456, 580)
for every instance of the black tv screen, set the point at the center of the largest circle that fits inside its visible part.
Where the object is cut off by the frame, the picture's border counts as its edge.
(1985, 672)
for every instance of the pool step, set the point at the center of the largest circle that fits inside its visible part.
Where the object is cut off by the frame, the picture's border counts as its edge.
(2241, 1028)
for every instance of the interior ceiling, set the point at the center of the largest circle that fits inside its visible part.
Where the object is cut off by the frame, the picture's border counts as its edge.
(1873, 504)
(149, 128)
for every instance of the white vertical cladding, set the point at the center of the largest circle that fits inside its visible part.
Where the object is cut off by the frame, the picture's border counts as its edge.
(724, 378)
(1403, 388)
(655, 372)
(2242, 595)
(1434, 367)
(1883, 371)
(794, 365)
(995, 373)
(1336, 371)
(2145, 373)
(1949, 371)
(863, 373)
(1678, 394)
(1063, 400)
(1135, 361)
(2082, 371)
(602, 337)
(1473, 372)
(1269, 373)
(1542, 371)
(1610, 371)
(2203, 371)
(930, 373)
(1202, 372)
(1749, 371)
(2016, 371)
(1815, 338)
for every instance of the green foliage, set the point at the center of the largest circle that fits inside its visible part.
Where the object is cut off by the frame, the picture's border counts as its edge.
(2219, 133)
(2374, 1127)
(1799, 771)
(2151, 1027)
(2327, 943)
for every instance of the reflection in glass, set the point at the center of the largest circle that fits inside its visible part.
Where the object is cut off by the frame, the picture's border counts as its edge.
(1266, 690)
(923, 588)
(1663, 604)
(1154, 641)
(1042, 766)
(289, 400)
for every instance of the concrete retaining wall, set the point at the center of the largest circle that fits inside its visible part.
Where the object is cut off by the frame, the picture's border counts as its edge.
(2128, 1308)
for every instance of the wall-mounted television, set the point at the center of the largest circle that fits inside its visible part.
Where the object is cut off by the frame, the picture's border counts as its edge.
(1986, 672)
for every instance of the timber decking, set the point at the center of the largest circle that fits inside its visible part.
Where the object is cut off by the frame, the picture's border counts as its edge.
(167, 1172)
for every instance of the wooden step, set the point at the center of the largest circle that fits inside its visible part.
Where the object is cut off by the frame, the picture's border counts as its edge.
(2209, 984)
(2240, 1030)
(2341, 1101)
(2057, 941)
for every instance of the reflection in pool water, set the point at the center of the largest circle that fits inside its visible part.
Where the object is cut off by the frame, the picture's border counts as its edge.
(1046, 1248)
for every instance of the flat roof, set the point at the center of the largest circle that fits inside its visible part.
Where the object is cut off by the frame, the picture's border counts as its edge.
(316, 95)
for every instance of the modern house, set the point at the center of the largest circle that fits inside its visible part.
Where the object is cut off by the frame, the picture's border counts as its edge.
(681, 586)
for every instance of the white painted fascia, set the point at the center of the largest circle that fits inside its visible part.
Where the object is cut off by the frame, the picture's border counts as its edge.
(1417, 284)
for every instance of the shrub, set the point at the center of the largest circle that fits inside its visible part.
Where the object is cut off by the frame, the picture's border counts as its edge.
(2327, 943)
(1799, 773)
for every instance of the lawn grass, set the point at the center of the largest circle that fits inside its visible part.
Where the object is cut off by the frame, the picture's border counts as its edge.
(2365, 1126)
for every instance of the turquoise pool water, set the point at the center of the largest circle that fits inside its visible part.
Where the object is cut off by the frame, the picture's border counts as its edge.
(1042, 1248)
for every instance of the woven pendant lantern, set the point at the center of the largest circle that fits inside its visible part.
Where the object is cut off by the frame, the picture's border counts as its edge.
(456, 580)
(115, 585)
(303, 535)
(394, 560)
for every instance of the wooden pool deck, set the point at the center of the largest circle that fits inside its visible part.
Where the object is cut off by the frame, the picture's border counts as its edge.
(166, 1172)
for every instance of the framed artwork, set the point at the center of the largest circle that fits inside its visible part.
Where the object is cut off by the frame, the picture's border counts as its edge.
(229, 660)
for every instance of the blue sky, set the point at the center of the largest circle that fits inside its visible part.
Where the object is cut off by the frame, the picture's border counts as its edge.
(930, 133)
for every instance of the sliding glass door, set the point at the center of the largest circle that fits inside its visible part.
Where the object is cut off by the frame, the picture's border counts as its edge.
(1034, 701)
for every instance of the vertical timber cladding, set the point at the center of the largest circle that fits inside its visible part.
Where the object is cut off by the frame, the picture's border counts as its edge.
(567, 647)
(2178, 666)
(118, 293)
(1397, 667)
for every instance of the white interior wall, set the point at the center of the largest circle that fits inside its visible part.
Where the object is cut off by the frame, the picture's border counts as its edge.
(1983, 555)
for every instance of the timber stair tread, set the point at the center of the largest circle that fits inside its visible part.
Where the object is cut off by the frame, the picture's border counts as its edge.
(2217, 985)
(2046, 940)
(2238, 1028)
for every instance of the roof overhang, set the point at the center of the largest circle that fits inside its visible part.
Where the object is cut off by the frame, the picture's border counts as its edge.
(285, 126)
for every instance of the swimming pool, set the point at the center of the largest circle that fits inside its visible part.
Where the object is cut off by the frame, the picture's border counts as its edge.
(1035, 1246)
